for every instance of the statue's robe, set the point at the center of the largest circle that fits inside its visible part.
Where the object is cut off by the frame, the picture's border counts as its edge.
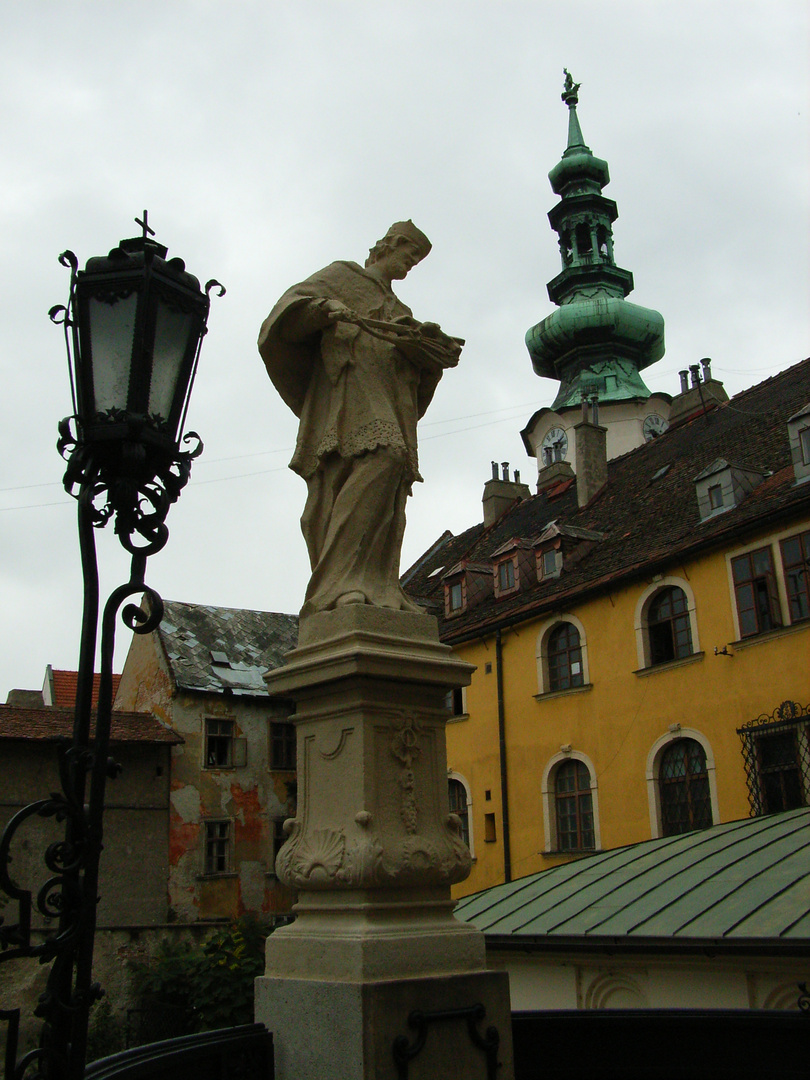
(358, 399)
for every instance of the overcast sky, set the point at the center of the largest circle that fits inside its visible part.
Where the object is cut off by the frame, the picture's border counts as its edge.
(267, 139)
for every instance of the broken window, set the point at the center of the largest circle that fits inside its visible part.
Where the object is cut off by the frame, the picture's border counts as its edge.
(222, 749)
(755, 591)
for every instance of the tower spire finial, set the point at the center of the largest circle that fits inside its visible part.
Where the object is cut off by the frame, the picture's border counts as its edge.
(570, 96)
(570, 90)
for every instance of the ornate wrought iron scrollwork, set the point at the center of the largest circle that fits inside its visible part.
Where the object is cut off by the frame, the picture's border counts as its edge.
(130, 467)
(775, 745)
(69, 892)
(140, 497)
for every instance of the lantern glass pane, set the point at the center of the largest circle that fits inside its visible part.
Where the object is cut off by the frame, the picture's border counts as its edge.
(173, 329)
(112, 329)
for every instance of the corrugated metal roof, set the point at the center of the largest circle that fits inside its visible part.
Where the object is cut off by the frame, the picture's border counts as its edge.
(218, 650)
(744, 880)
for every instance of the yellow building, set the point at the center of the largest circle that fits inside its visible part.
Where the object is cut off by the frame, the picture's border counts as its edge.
(652, 599)
(623, 640)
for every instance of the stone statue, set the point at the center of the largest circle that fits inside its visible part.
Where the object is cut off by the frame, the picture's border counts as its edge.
(359, 371)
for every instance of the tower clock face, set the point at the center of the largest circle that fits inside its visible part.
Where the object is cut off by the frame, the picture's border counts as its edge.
(555, 445)
(653, 426)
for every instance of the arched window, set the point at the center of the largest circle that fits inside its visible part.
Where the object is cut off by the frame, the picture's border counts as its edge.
(668, 626)
(683, 785)
(574, 807)
(564, 658)
(584, 239)
(458, 805)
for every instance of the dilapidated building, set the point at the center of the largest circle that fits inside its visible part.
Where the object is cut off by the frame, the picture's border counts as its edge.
(233, 775)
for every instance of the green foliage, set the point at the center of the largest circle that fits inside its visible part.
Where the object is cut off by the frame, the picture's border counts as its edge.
(188, 988)
(105, 1033)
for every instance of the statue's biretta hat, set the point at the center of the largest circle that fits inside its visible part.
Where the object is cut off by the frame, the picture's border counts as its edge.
(410, 232)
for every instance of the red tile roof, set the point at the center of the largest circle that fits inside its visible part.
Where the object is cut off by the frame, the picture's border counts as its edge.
(49, 724)
(64, 688)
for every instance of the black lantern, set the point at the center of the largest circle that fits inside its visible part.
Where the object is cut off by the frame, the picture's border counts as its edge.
(134, 324)
(136, 321)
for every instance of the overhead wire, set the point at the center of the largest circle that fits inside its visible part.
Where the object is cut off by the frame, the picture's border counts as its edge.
(287, 450)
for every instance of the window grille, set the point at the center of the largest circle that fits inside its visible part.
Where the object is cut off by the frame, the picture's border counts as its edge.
(776, 753)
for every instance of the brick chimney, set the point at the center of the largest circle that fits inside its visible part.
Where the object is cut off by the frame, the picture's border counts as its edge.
(500, 493)
(591, 443)
(704, 394)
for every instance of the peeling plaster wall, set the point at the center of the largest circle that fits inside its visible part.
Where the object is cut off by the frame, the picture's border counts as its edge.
(249, 797)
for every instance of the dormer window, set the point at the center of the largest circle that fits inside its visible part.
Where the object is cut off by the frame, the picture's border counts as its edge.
(455, 596)
(506, 576)
(722, 486)
(548, 563)
(465, 586)
(512, 566)
(799, 438)
(715, 494)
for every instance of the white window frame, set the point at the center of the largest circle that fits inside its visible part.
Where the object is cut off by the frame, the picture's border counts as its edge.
(548, 549)
(653, 772)
(641, 625)
(548, 793)
(510, 590)
(541, 654)
(774, 542)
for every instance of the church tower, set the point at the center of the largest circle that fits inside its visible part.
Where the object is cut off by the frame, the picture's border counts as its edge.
(595, 343)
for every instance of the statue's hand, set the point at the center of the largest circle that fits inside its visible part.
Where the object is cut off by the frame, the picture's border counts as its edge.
(337, 312)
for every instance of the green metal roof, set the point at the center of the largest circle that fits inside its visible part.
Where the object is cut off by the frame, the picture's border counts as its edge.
(744, 882)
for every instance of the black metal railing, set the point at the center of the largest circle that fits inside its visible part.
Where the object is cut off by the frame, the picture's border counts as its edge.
(238, 1053)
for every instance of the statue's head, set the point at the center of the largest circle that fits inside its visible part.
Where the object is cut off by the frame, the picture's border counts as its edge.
(400, 232)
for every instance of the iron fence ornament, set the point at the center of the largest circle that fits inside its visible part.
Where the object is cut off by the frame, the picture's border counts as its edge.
(123, 463)
(787, 718)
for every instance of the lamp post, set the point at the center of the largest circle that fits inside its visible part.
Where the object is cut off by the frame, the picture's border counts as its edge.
(134, 325)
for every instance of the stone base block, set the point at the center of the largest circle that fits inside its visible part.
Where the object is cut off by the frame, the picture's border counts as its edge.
(409, 1029)
(339, 936)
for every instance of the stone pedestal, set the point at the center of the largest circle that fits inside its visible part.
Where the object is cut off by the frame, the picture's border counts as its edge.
(373, 851)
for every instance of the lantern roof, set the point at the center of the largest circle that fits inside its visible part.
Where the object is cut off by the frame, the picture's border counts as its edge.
(133, 254)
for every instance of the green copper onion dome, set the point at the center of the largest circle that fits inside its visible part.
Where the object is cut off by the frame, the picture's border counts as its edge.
(596, 341)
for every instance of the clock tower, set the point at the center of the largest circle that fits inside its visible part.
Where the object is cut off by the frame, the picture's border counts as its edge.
(596, 343)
